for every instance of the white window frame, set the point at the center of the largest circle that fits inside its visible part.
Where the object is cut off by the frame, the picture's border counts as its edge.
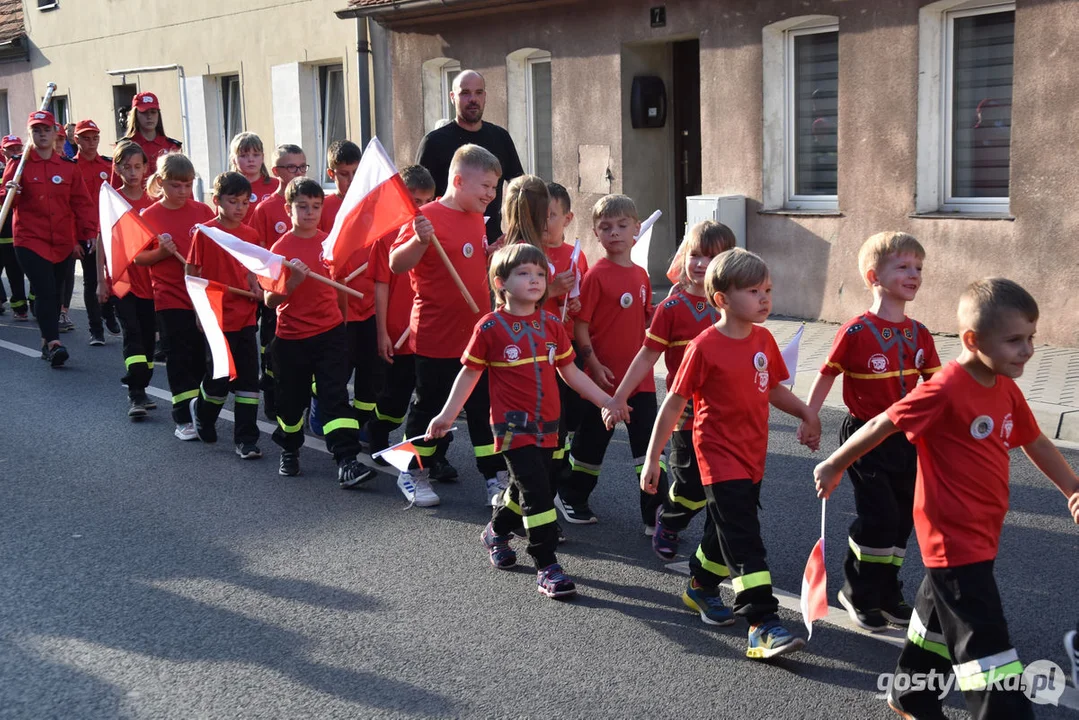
(530, 106)
(448, 73)
(778, 116)
(933, 192)
(321, 161)
(223, 107)
(5, 113)
(436, 77)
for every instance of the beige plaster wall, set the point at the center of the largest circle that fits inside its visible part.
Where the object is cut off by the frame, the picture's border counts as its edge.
(17, 81)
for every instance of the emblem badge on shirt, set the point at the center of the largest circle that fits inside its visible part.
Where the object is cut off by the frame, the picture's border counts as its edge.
(760, 361)
(516, 327)
(254, 197)
(467, 250)
(166, 236)
(535, 324)
(762, 381)
(279, 227)
(886, 333)
(982, 427)
(644, 295)
(700, 307)
(512, 353)
(626, 300)
(103, 175)
(908, 334)
(919, 359)
(194, 229)
(56, 179)
(551, 352)
(878, 363)
(1006, 429)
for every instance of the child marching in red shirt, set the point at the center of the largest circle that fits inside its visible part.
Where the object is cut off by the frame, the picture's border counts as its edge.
(393, 306)
(248, 157)
(616, 305)
(521, 347)
(174, 218)
(310, 343)
(963, 422)
(733, 371)
(95, 170)
(881, 354)
(208, 260)
(684, 315)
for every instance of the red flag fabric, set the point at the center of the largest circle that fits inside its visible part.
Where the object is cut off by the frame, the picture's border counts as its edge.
(376, 203)
(208, 297)
(814, 600)
(123, 236)
(272, 272)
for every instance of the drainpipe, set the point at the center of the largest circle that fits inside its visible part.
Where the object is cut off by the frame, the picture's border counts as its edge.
(363, 62)
(184, 119)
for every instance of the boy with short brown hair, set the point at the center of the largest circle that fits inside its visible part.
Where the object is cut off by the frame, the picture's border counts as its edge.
(963, 422)
(881, 354)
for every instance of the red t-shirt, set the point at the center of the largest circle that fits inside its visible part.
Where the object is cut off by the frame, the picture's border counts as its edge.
(330, 205)
(261, 190)
(880, 362)
(139, 275)
(730, 382)
(94, 173)
(963, 432)
(441, 320)
(401, 294)
(522, 354)
(616, 302)
(312, 307)
(155, 148)
(678, 319)
(271, 220)
(218, 265)
(170, 290)
(558, 260)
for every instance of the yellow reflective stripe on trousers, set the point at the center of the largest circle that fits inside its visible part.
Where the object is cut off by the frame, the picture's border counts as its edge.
(185, 396)
(752, 580)
(129, 361)
(425, 450)
(245, 398)
(712, 567)
(686, 502)
(928, 641)
(210, 399)
(576, 465)
(983, 672)
(543, 518)
(898, 554)
(870, 555)
(150, 364)
(340, 424)
(365, 406)
(559, 454)
(484, 450)
(290, 428)
(388, 418)
(510, 505)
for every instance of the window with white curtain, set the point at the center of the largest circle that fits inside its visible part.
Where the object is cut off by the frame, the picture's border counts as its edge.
(232, 119)
(812, 85)
(332, 118)
(978, 107)
(538, 102)
(449, 71)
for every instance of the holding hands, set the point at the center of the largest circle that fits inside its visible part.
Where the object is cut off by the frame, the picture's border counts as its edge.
(614, 412)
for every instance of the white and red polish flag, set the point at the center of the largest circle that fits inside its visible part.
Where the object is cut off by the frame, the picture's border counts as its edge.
(123, 236)
(401, 454)
(376, 203)
(814, 600)
(208, 297)
(267, 265)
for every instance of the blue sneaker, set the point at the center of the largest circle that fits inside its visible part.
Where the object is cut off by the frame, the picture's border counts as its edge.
(502, 555)
(554, 583)
(664, 540)
(707, 603)
(313, 420)
(770, 639)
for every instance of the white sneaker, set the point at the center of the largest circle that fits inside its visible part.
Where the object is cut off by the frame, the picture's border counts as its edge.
(186, 432)
(416, 487)
(649, 530)
(496, 487)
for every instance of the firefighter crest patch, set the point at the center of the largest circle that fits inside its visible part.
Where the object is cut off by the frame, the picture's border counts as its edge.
(982, 427)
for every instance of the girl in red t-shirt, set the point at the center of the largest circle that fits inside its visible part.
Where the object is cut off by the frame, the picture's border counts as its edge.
(247, 156)
(173, 218)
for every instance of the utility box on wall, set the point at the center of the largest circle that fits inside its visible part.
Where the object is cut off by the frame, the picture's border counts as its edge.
(727, 209)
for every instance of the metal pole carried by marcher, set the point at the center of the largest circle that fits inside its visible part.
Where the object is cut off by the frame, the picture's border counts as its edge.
(9, 199)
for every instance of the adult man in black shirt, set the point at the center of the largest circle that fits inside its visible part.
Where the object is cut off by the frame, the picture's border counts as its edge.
(469, 96)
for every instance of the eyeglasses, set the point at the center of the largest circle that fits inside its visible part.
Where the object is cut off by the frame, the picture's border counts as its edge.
(293, 168)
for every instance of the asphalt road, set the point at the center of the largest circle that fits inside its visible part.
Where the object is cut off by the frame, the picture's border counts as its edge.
(143, 577)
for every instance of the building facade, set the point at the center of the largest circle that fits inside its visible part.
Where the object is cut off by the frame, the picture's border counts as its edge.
(833, 119)
(17, 98)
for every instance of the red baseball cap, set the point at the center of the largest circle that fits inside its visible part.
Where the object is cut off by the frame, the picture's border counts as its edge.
(86, 126)
(41, 117)
(145, 101)
(10, 141)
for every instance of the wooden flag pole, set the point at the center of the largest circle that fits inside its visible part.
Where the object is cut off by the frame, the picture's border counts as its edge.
(355, 273)
(327, 281)
(237, 291)
(401, 340)
(453, 274)
(9, 199)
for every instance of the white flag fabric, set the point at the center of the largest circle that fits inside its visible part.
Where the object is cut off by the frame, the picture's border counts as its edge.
(401, 454)
(790, 356)
(575, 291)
(207, 297)
(639, 253)
(256, 259)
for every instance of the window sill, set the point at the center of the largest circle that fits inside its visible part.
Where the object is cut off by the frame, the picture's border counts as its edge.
(802, 213)
(944, 215)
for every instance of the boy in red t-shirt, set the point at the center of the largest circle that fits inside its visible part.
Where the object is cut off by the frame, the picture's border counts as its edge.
(442, 321)
(232, 193)
(393, 306)
(521, 347)
(881, 354)
(616, 305)
(732, 371)
(309, 343)
(963, 422)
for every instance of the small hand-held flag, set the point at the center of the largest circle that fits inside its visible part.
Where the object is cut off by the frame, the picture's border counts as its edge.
(639, 252)
(814, 600)
(258, 260)
(790, 356)
(401, 454)
(123, 236)
(208, 297)
(575, 291)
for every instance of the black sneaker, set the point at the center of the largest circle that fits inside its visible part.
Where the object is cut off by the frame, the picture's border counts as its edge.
(135, 410)
(112, 325)
(58, 356)
(97, 339)
(248, 451)
(898, 612)
(45, 352)
(579, 514)
(442, 471)
(206, 433)
(907, 713)
(290, 464)
(352, 473)
(147, 402)
(871, 620)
